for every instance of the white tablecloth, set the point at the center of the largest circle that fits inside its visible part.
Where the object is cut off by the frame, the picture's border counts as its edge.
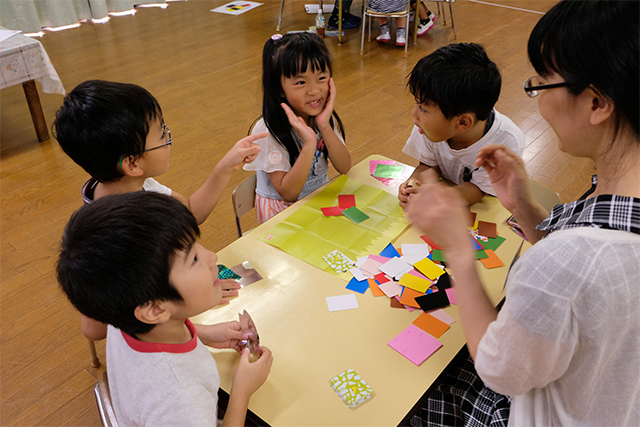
(23, 59)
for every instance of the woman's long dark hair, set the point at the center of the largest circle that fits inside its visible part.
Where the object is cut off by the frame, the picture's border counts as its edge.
(287, 57)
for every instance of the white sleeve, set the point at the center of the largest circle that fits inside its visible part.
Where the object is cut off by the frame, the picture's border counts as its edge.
(420, 148)
(192, 406)
(151, 184)
(272, 157)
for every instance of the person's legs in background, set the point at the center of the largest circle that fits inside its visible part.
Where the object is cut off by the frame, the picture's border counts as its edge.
(427, 18)
(401, 33)
(349, 20)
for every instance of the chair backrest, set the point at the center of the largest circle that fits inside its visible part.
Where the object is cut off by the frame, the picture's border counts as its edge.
(544, 195)
(103, 401)
(243, 199)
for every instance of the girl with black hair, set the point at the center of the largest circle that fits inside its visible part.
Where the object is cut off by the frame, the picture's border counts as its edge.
(304, 130)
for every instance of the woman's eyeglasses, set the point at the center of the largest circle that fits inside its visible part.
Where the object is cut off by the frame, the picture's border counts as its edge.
(532, 86)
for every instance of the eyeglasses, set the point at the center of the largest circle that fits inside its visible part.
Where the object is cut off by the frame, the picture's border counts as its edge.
(533, 87)
(168, 132)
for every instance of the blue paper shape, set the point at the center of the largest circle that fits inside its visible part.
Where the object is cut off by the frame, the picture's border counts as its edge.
(358, 286)
(390, 252)
(475, 244)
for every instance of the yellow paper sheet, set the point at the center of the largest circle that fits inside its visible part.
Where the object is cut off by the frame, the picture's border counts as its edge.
(308, 235)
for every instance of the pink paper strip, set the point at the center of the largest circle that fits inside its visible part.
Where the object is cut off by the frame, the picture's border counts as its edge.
(381, 259)
(415, 344)
(451, 294)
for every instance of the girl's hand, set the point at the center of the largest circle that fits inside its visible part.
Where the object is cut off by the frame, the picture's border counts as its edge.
(307, 134)
(405, 192)
(222, 335)
(508, 175)
(324, 118)
(250, 376)
(244, 151)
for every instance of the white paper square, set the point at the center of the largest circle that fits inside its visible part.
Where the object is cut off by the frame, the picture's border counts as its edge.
(360, 275)
(395, 267)
(415, 249)
(342, 302)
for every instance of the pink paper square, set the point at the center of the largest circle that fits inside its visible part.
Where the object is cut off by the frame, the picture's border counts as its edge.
(415, 344)
(451, 294)
(373, 164)
(381, 259)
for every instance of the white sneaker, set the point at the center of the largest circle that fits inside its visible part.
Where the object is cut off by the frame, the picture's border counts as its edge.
(431, 16)
(423, 28)
(401, 39)
(385, 36)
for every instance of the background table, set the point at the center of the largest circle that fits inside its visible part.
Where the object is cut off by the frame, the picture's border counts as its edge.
(23, 60)
(311, 345)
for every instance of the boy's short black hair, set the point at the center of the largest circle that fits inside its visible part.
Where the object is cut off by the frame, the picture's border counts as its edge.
(458, 78)
(100, 122)
(117, 254)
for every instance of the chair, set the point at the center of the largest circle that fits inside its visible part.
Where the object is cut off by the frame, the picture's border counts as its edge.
(103, 401)
(444, 17)
(243, 199)
(95, 360)
(544, 195)
(404, 13)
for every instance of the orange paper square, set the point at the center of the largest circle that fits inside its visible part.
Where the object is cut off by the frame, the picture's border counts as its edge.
(409, 297)
(375, 290)
(493, 261)
(431, 325)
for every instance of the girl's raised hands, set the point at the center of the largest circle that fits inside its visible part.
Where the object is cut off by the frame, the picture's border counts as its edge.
(307, 134)
(324, 118)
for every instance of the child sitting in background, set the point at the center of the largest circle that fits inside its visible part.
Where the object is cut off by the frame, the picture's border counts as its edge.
(456, 88)
(116, 133)
(304, 131)
(132, 261)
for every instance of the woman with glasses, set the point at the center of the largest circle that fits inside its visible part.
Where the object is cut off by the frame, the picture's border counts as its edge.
(566, 344)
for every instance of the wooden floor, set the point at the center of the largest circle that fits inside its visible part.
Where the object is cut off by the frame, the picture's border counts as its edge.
(204, 68)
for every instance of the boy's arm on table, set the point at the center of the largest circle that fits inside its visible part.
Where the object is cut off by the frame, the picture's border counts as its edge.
(205, 198)
(246, 381)
(511, 183)
(289, 184)
(444, 222)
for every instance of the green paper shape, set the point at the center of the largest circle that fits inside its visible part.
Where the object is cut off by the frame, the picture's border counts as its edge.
(438, 255)
(387, 171)
(481, 254)
(225, 272)
(355, 215)
(493, 243)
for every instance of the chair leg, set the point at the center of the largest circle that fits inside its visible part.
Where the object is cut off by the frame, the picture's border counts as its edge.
(416, 21)
(280, 16)
(364, 25)
(442, 12)
(95, 360)
(453, 21)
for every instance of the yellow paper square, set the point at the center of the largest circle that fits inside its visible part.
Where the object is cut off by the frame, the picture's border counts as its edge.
(429, 268)
(414, 282)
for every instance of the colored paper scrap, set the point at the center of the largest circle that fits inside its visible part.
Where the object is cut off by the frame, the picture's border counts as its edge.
(472, 219)
(442, 315)
(355, 215)
(493, 261)
(429, 269)
(431, 325)
(409, 297)
(395, 302)
(415, 344)
(332, 211)
(360, 275)
(481, 254)
(494, 243)
(381, 259)
(375, 289)
(387, 171)
(371, 267)
(444, 281)
(346, 201)
(381, 278)
(395, 267)
(487, 229)
(433, 300)
(431, 243)
(338, 261)
(373, 164)
(476, 245)
(451, 294)
(225, 272)
(351, 388)
(411, 281)
(389, 251)
(391, 289)
(438, 255)
(342, 302)
(421, 249)
(358, 286)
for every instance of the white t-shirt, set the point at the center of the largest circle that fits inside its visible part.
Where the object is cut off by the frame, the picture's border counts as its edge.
(566, 344)
(274, 157)
(161, 384)
(452, 162)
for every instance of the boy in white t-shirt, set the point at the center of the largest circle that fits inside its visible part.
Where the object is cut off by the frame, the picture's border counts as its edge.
(456, 88)
(132, 261)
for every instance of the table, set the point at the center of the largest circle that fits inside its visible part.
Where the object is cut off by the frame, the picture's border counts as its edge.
(24, 60)
(311, 345)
